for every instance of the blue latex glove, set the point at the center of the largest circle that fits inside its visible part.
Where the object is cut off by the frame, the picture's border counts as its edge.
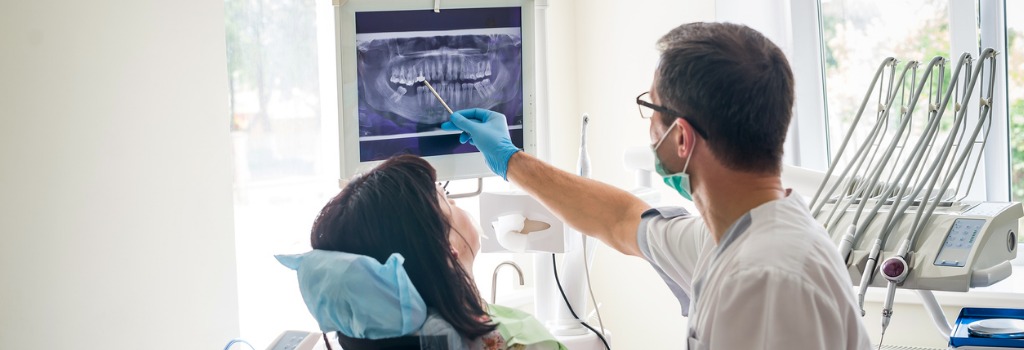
(488, 131)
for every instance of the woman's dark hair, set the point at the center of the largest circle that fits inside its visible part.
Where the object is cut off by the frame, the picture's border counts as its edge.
(394, 209)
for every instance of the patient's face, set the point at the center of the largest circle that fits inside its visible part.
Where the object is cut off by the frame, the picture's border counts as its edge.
(463, 235)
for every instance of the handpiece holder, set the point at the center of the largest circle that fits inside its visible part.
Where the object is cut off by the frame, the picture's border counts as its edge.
(517, 223)
(514, 222)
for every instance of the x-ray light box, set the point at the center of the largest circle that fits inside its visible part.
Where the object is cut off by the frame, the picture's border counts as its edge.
(475, 54)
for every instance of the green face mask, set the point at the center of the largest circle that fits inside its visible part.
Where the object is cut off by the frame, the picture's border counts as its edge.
(679, 181)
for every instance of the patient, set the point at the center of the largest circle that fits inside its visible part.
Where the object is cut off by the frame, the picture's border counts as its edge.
(398, 208)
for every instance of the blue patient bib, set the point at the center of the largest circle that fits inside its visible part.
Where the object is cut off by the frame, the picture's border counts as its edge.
(356, 295)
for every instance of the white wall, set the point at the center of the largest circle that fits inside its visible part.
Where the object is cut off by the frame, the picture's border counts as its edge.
(563, 87)
(615, 61)
(115, 213)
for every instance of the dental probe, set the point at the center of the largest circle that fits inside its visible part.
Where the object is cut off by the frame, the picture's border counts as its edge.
(424, 80)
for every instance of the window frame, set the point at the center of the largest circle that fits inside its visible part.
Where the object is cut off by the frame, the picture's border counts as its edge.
(991, 21)
(973, 25)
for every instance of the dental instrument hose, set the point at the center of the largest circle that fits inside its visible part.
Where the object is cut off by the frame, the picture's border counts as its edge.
(889, 61)
(896, 268)
(554, 266)
(856, 230)
(584, 171)
(583, 168)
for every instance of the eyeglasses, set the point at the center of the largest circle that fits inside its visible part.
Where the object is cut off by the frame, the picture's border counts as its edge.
(647, 109)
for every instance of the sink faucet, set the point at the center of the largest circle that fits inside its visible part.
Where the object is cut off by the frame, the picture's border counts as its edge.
(494, 278)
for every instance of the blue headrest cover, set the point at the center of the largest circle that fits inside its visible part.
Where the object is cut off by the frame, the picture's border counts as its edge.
(356, 295)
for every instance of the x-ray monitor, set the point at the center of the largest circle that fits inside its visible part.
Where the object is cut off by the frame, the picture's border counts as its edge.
(473, 56)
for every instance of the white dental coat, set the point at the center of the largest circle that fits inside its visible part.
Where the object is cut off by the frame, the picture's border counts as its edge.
(775, 281)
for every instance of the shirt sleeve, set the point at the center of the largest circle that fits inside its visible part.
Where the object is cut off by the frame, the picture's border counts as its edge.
(672, 240)
(764, 308)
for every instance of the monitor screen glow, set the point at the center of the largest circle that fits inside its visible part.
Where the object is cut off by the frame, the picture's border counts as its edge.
(476, 54)
(473, 57)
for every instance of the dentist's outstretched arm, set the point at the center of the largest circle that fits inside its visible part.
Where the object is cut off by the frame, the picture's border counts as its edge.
(594, 208)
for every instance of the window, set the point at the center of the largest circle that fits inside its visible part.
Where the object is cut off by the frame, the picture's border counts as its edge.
(1015, 91)
(284, 126)
(857, 35)
(275, 96)
(284, 132)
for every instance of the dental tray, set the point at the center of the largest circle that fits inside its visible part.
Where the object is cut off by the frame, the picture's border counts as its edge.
(962, 335)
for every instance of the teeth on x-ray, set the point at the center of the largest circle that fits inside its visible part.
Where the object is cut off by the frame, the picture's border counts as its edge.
(468, 71)
(397, 96)
(479, 90)
(445, 69)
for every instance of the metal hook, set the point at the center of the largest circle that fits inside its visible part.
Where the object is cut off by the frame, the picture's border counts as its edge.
(479, 189)
(494, 278)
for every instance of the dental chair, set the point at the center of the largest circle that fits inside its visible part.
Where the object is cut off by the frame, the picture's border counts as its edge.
(369, 305)
(399, 343)
(435, 334)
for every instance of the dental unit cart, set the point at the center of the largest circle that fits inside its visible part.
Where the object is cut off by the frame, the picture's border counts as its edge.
(899, 210)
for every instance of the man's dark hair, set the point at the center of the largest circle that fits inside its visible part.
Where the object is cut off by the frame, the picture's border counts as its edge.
(395, 209)
(734, 83)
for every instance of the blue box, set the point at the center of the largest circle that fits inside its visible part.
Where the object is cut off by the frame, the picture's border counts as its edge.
(962, 337)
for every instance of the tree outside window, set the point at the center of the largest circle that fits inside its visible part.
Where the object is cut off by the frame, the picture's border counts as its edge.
(858, 35)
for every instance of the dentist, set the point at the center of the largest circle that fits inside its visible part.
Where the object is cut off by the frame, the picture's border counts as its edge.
(754, 270)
